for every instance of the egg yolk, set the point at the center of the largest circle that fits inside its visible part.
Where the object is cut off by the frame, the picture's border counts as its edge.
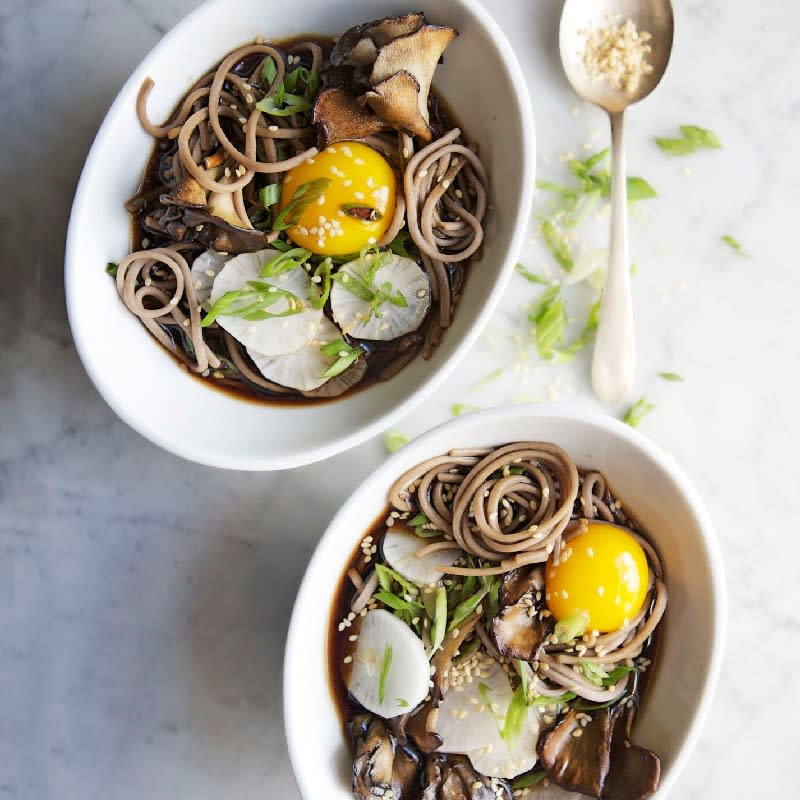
(354, 210)
(602, 573)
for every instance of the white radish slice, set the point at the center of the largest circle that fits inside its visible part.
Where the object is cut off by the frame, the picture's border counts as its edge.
(468, 725)
(383, 638)
(354, 315)
(205, 269)
(400, 547)
(275, 336)
(304, 368)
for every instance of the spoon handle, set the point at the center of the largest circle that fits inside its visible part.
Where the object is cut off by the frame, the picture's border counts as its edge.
(614, 359)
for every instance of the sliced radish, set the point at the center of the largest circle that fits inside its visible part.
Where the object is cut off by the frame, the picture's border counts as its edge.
(356, 317)
(468, 725)
(386, 646)
(400, 547)
(304, 369)
(277, 335)
(205, 269)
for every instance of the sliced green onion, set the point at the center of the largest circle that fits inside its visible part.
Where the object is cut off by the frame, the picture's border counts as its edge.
(303, 197)
(515, 716)
(637, 412)
(735, 245)
(269, 194)
(111, 269)
(571, 627)
(439, 627)
(394, 441)
(386, 665)
(465, 608)
(671, 376)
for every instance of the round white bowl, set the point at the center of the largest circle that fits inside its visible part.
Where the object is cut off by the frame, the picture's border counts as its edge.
(651, 486)
(483, 84)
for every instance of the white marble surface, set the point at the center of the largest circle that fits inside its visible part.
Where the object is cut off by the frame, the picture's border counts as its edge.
(144, 600)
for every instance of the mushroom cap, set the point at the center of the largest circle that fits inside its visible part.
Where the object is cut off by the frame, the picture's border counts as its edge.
(578, 763)
(396, 100)
(517, 634)
(417, 53)
(339, 116)
(186, 193)
(377, 32)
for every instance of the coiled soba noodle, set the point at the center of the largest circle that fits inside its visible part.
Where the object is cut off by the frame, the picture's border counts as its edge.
(509, 504)
(517, 505)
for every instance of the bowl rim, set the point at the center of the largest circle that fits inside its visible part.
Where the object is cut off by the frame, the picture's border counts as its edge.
(571, 413)
(298, 456)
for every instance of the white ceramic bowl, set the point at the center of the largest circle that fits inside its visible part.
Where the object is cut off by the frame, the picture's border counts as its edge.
(484, 86)
(652, 487)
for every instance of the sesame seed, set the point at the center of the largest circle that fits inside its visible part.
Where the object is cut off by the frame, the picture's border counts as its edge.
(359, 161)
(406, 154)
(330, 149)
(348, 659)
(275, 128)
(227, 172)
(422, 173)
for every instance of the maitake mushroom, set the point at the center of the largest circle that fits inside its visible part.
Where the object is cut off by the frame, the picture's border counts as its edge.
(452, 777)
(380, 764)
(593, 754)
(394, 60)
(518, 630)
(188, 213)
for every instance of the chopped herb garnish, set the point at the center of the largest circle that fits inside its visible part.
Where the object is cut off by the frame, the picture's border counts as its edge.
(692, 139)
(394, 441)
(559, 700)
(548, 316)
(111, 269)
(270, 194)
(571, 627)
(439, 626)
(557, 245)
(347, 355)
(303, 197)
(735, 245)
(671, 376)
(403, 245)
(594, 673)
(531, 779)
(253, 303)
(465, 608)
(419, 519)
(386, 665)
(387, 576)
(459, 409)
(639, 189)
(396, 603)
(515, 715)
(529, 276)
(321, 289)
(637, 412)
(401, 703)
(617, 674)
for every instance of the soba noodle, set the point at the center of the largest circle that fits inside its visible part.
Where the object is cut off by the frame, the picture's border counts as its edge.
(218, 138)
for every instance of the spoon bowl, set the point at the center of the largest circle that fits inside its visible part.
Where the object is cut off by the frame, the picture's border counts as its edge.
(614, 359)
(580, 17)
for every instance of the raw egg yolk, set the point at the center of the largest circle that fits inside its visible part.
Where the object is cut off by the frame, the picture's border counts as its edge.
(601, 573)
(354, 210)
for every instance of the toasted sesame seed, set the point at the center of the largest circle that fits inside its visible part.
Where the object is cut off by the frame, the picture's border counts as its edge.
(275, 128)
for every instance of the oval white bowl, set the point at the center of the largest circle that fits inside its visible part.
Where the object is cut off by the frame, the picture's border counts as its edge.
(653, 489)
(141, 381)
